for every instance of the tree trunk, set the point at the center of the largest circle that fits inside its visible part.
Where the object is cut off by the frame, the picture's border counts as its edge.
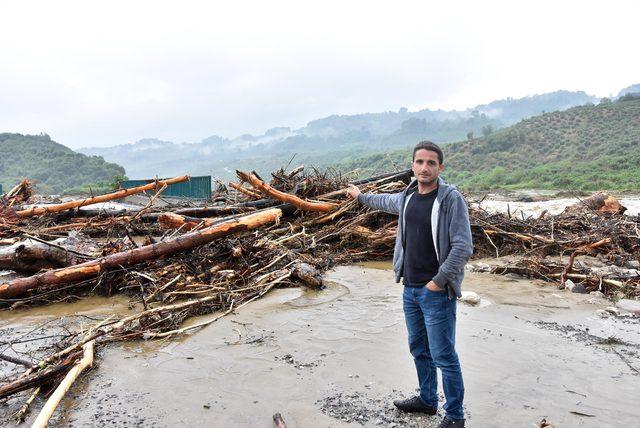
(215, 211)
(247, 192)
(30, 256)
(52, 403)
(301, 204)
(101, 198)
(20, 286)
(174, 221)
(36, 379)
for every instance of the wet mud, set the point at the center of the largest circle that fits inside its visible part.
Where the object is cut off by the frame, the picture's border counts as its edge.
(338, 357)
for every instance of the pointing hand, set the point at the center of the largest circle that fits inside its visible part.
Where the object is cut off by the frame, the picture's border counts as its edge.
(353, 191)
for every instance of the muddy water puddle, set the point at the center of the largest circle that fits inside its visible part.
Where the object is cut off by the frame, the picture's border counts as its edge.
(89, 307)
(338, 357)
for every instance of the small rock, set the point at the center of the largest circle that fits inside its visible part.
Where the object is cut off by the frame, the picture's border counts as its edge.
(633, 264)
(470, 298)
(481, 267)
(574, 288)
(612, 310)
(602, 313)
(596, 293)
(629, 305)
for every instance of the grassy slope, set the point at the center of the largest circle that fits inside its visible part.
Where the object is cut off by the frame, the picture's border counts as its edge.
(588, 148)
(56, 167)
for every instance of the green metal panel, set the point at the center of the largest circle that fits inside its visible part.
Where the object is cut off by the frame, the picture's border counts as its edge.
(195, 188)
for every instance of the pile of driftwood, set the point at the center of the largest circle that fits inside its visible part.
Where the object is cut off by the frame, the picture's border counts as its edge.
(572, 245)
(184, 261)
(181, 262)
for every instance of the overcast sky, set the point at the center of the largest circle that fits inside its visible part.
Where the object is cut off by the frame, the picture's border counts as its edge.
(96, 75)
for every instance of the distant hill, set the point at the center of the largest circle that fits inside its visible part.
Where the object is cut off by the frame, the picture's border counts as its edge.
(511, 110)
(55, 167)
(633, 89)
(324, 141)
(587, 148)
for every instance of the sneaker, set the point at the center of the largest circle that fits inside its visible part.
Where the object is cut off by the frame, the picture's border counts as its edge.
(451, 423)
(415, 404)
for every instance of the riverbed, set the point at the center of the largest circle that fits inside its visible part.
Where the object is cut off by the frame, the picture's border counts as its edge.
(534, 202)
(338, 357)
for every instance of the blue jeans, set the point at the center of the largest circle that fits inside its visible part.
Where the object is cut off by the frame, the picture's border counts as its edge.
(431, 323)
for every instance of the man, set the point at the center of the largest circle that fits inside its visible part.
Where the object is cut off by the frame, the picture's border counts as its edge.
(432, 247)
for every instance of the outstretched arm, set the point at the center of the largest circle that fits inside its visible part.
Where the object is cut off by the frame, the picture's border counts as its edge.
(384, 202)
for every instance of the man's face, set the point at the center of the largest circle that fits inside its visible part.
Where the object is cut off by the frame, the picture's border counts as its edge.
(426, 166)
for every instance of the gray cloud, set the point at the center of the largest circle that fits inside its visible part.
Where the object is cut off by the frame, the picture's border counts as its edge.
(111, 74)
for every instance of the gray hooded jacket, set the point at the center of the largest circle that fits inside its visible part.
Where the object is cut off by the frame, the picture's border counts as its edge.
(449, 226)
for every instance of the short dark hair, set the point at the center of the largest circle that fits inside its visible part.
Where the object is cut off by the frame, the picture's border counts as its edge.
(428, 145)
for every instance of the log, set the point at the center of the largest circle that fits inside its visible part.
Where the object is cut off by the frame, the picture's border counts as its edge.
(38, 378)
(79, 225)
(171, 220)
(301, 204)
(101, 212)
(52, 403)
(201, 212)
(212, 211)
(15, 360)
(20, 286)
(260, 203)
(156, 185)
(30, 256)
(247, 192)
(174, 221)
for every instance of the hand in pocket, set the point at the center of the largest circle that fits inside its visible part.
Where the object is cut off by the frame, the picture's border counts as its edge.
(433, 286)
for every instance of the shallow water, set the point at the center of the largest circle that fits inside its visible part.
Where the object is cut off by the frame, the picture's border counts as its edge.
(290, 350)
(92, 306)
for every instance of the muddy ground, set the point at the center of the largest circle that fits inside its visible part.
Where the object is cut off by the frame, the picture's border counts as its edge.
(338, 357)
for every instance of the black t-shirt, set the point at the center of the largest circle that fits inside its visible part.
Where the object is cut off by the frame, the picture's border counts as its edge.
(420, 259)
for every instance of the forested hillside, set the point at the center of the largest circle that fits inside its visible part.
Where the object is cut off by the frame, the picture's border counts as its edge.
(56, 168)
(588, 148)
(325, 141)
